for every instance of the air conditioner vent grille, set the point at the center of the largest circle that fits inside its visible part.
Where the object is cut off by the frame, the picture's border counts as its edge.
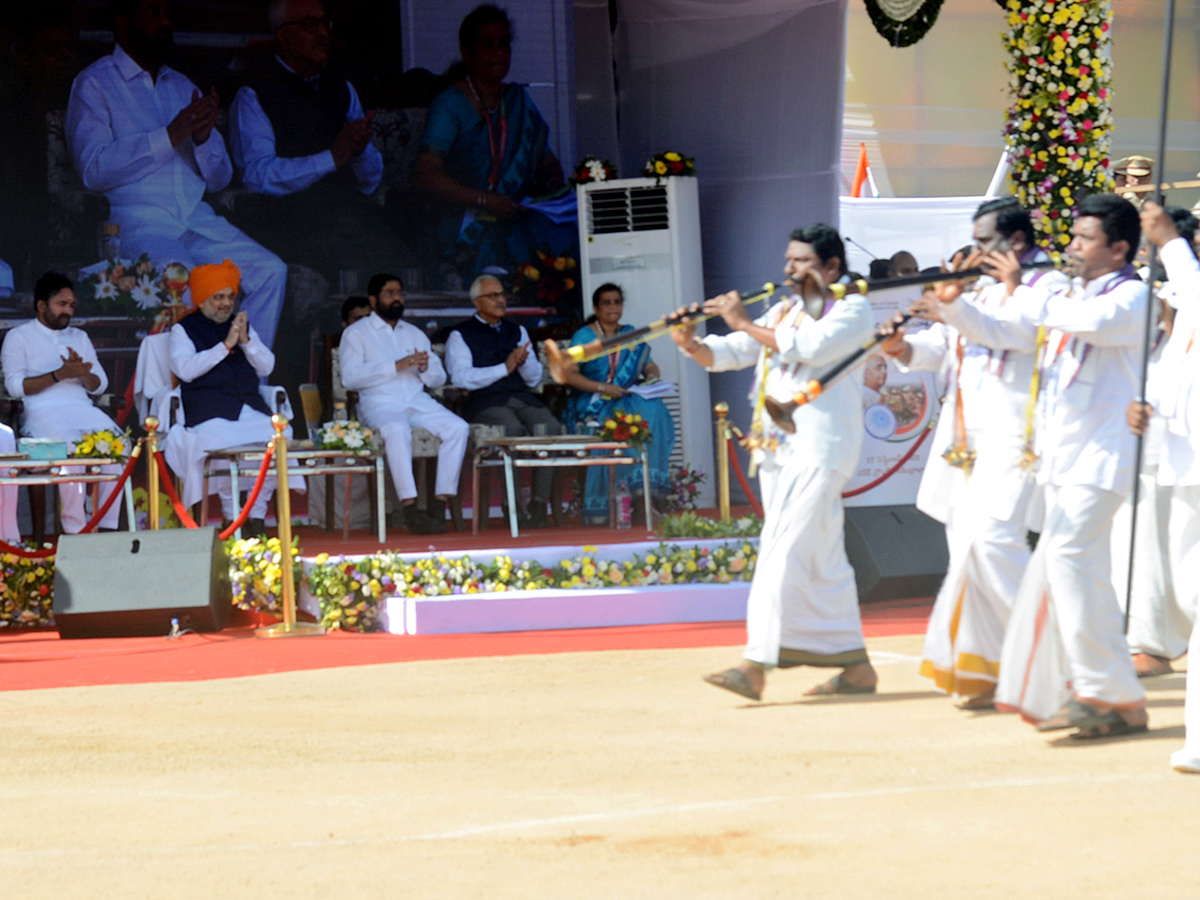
(619, 210)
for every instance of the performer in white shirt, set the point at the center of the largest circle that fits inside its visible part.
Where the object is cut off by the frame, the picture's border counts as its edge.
(390, 363)
(974, 481)
(142, 134)
(54, 369)
(491, 357)
(219, 359)
(1174, 393)
(1065, 648)
(803, 605)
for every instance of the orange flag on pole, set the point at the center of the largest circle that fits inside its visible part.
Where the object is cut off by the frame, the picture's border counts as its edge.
(861, 172)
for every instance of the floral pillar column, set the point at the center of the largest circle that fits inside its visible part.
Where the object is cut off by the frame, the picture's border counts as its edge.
(1059, 126)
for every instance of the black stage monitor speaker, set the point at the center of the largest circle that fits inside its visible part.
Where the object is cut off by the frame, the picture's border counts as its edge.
(130, 583)
(897, 552)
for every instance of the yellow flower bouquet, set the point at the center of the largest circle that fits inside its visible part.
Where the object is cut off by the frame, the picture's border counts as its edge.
(670, 164)
(106, 444)
(351, 435)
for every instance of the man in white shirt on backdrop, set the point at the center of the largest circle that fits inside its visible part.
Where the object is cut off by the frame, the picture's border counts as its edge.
(142, 134)
(54, 369)
(390, 363)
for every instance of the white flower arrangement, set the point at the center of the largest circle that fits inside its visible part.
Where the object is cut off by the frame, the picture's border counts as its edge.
(350, 435)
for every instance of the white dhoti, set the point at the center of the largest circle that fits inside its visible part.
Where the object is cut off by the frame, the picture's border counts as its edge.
(1065, 637)
(988, 557)
(803, 605)
(70, 423)
(1158, 624)
(187, 448)
(1185, 568)
(395, 422)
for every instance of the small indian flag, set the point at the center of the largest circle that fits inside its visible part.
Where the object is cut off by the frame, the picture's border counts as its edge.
(862, 174)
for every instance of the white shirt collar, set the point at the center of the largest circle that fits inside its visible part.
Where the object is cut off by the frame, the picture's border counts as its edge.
(129, 68)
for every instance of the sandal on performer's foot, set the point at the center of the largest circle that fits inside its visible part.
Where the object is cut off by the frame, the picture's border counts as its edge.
(1075, 714)
(1111, 725)
(978, 703)
(839, 685)
(734, 680)
(1148, 665)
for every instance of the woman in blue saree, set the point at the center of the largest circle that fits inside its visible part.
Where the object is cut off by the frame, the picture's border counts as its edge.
(486, 148)
(601, 387)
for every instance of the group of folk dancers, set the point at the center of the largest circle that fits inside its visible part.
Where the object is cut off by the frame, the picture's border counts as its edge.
(1038, 432)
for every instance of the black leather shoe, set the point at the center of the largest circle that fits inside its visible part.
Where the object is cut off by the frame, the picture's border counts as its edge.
(537, 515)
(437, 515)
(255, 528)
(417, 521)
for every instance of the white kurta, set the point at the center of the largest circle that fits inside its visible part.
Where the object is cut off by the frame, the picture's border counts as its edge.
(188, 446)
(63, 411)
(116, 128)
(1175, 394)
(10, 533)
(803, 605)
(394, 402)
(1090, 368)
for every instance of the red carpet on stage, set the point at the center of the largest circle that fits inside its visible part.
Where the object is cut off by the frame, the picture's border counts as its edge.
(40, 659)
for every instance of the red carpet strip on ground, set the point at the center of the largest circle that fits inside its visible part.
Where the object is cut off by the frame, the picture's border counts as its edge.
(40, 659)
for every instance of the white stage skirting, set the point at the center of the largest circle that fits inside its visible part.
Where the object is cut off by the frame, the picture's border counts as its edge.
(559, 607)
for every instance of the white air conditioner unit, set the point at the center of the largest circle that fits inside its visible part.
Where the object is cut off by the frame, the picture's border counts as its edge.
(644, 235)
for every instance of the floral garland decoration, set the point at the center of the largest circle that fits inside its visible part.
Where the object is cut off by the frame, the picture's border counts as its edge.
(351, 436)
(592, 168)
(669, 164)
(1059, 127)
(26, 589)
(105, 444)
(903, 22)
(255, 573)
(685, 484)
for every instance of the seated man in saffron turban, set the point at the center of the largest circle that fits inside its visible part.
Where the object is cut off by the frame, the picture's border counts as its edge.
(219, 360)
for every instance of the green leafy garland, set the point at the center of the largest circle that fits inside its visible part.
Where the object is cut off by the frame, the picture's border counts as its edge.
(1059, 127)
(907, 31)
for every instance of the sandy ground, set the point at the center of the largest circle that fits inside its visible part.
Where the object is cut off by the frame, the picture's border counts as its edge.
(606, 775)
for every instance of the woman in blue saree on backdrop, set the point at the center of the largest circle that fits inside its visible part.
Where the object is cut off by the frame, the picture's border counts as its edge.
(602, 387)
(484, 150)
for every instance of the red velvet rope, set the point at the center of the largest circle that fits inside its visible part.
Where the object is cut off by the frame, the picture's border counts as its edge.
(168, 485)
(258, 484)
(44, 553)
(741, 477)
(894, 469)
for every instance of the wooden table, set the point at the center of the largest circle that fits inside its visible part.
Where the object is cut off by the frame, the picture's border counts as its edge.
(305, 458)
(556, 451)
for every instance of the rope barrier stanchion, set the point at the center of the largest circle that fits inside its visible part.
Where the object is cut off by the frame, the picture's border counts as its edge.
(731, 454)
(165, 479)
(151, 424)
(289, 627)
(118, 486)
(722, 411)
(894, 469)
(254, 492)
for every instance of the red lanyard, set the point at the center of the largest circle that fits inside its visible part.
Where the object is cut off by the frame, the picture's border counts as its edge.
(495, 146)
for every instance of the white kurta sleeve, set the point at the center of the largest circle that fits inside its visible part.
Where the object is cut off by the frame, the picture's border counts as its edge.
(929, 348)
(253, 139)
(359, 370)
(462, 369)
(186, 362)
(829, 339)
(14, 360)
(1009, 327)
(368, 165)
(434, 375)
(103, 160)
(530, 370)
(83, 346)
(1183, 272)
(258, 354)
(1113, 319)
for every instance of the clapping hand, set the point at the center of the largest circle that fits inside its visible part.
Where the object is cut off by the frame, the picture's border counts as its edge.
(352, 140)
(196, 120)
(517, 357)
(239, 331)
(73, 366)
(418, 359)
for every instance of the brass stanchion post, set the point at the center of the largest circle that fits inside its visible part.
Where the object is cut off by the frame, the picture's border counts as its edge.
(289, 627)
(722, 410)
(152, 472)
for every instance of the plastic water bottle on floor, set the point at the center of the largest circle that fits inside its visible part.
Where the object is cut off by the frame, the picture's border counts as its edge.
(624, 506)
(340, 414)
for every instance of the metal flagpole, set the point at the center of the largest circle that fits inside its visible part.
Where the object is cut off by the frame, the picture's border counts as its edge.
(1168, 38)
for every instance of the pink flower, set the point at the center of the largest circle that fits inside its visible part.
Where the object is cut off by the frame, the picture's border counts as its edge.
(1088, 125)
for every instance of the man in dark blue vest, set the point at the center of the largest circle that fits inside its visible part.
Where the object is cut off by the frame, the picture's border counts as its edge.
(219, 361)
(492, 358)
(300, 136)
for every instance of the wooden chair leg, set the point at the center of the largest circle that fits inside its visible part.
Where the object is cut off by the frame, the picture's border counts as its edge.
(37, 511)
(329, 504)
(556, 490)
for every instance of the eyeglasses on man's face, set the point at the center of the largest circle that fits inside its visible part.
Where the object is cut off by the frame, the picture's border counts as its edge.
(491, 296)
